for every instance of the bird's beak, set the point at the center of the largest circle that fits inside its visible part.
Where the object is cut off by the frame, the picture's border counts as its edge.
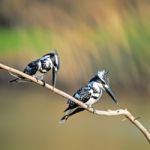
(110, 93)
(54, 76)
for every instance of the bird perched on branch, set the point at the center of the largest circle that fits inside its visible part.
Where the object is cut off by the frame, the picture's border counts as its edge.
(89, 94)
(40, 67)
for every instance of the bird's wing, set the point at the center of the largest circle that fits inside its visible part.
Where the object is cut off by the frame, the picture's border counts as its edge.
(83, 95)
(31, 68)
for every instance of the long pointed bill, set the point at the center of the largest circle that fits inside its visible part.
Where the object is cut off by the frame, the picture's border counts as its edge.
(54, 76)
(110, 93)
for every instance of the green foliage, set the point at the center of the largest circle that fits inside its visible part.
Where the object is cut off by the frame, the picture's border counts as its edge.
(16, 39)
(9, 40)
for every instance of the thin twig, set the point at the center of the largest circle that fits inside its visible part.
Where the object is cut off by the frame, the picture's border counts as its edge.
(117, 112)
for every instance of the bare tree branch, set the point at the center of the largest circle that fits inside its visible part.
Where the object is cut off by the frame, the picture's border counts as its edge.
(117, 112)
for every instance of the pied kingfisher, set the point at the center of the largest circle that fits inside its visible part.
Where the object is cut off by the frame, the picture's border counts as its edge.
(41, 66)
(89, 94)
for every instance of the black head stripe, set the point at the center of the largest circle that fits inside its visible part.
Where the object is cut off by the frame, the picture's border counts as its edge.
(96, 79)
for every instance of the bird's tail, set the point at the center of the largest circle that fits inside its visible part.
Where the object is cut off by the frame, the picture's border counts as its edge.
(17, 77)
(64, 119)
(18, 80)
(14, 80)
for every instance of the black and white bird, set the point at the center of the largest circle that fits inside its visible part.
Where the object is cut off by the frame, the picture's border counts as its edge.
(40, 67)
(89, 94)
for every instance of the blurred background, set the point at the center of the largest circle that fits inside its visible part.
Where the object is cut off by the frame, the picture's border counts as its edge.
(89, 36)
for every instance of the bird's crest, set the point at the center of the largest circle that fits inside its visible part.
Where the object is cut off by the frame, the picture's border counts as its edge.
(54, 52)
(103, 76)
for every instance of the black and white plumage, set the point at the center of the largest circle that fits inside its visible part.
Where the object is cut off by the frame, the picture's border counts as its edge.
(41, 66)
(89, 94)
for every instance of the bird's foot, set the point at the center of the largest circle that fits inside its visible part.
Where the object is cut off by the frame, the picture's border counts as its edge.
(87, 106)
(90, 107)
(44, 83)
(94, 110)
(36, 79)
